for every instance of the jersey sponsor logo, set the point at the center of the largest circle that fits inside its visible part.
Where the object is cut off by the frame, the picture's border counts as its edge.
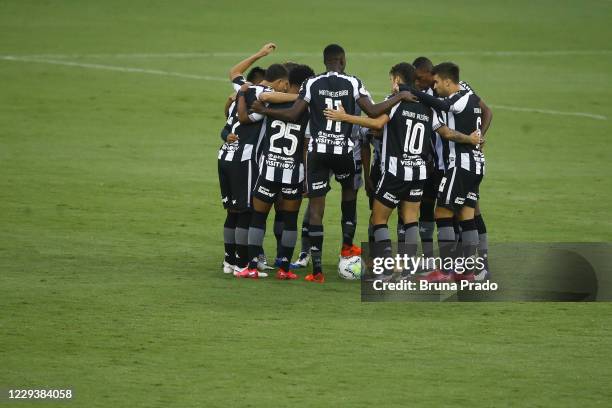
(416, 192)
(472, 196)
(413, 161)
(289, 190)
(319, 185)
(331, 138)
(342, 176)
(273, 160)
(265, 191)
(390, 197)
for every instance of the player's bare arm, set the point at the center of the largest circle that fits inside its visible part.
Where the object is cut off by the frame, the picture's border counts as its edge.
(487, 117)
(241, 67)
(292, 114)
(340, 115)
(474, 138)
(228, 103)
(366, 157)
(277, 97)
(375, 110)
(243, 113)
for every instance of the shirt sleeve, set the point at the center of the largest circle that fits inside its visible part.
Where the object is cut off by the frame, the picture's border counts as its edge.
(360, 91)
(305, 90)
(253, 116)
(436, 122)
(238, 82)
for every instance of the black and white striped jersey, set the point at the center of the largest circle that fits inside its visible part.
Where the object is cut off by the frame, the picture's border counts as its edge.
(406, 143)
(283, 149)
(330, 90)
(465, 116)
(249, 135)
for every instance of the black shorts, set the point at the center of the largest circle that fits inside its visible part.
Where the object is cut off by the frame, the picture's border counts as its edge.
(432, 184)
(269, 191)
(236, 179)
(319, 167)
(375, 174)
(458, 188)
(392, 190)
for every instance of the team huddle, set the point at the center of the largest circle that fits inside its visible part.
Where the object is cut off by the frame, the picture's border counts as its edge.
(420, 151)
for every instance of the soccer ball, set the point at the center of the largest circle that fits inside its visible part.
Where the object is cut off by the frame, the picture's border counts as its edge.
(350, 268)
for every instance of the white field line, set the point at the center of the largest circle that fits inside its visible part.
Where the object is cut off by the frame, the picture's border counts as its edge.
(221, 79)
(376, 54)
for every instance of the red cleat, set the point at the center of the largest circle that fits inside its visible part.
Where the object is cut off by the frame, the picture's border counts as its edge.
(315, 277)
(437, 276)
(248, 273)
(350, 250)
(285, 275)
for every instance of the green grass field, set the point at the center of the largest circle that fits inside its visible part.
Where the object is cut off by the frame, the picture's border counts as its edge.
(110, 238)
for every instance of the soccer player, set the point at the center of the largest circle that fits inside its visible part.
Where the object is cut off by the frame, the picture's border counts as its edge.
(424, 82)
(281, 175)
(406, 146)
(237, 165)
(330, 147)
(237, 79)
(464, 162)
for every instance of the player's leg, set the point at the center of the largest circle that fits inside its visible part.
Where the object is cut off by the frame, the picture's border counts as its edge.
(290, 208)
(410, 195)
(317, 184)
(483, 245)
(229, 226)
(344, 169)
(278, 228)
(304, 256)
(469, 231)
(257, 231)
(427, 223)
(444, 214)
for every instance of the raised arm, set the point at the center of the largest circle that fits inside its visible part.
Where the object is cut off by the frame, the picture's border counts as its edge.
(458, 137)
(340, 115)
(292, 114)
(375, 110)
(241, 67)
(277, 97)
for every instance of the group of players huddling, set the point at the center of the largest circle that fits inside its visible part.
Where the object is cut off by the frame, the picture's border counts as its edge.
(288, 130)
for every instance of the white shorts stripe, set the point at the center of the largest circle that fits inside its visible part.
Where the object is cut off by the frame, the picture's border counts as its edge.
(450, 186)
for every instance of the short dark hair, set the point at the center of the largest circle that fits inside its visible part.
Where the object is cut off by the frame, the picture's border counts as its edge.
(405, 71)
(255, 72)
(275, 72)
(289, 65)
(299, 74)
(447, 70)
(423, 63)
(332, 52)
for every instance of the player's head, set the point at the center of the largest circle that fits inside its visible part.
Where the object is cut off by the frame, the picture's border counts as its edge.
(446, 78)
(334, 58)
(289, 65)
(256, 75)
(402, 73)
(297, 76)
(423, 76)
(277, 77)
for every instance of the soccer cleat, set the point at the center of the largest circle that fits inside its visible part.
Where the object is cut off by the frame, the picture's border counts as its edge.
(285, 275)
(278, 262)
(436, 276)
(228, 268)
(262, 263)
(482, 275)
(315, 277)
(302, 261)
(350, 250)
(248, 273)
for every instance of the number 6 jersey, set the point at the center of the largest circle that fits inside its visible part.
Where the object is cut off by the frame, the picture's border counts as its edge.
(283, 149)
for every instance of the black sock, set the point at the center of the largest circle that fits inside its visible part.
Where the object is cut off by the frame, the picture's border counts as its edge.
(242, 239)
(278, 230)
(229, 237)
(483, 244)
(382, 243)
(349, 221)
(316, 247)
(469, 240)
(446, 239)
(288, 239)
(256, 236)
(426, 228)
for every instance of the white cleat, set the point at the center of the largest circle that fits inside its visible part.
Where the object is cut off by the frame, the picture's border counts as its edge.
(262, 264)
(302, 261)
(228, 268)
